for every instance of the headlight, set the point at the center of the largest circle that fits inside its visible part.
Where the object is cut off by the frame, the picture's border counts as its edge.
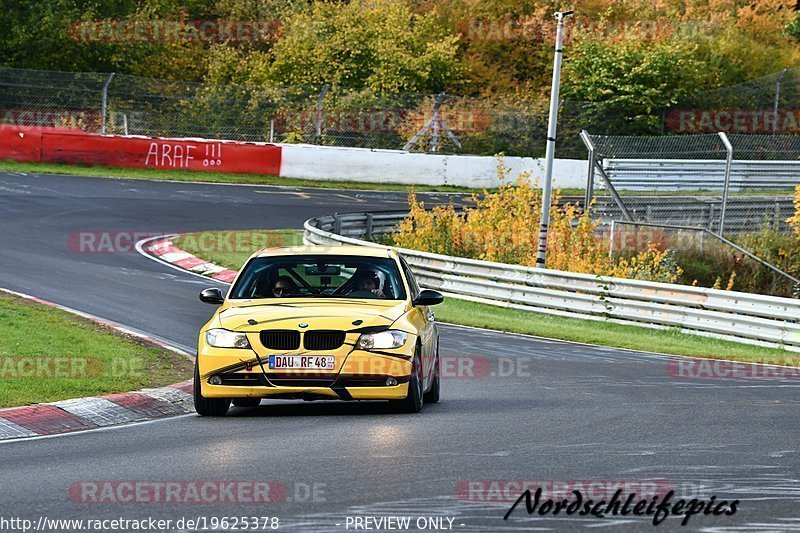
(381, 341)
(222, 338)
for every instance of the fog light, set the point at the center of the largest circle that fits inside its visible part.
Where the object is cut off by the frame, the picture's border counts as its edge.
(215, 380)
(391, 382)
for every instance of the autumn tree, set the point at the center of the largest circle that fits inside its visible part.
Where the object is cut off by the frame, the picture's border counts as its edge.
(378, 44)
(630, 80)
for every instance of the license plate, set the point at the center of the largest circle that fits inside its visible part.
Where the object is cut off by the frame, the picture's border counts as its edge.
(301, 362)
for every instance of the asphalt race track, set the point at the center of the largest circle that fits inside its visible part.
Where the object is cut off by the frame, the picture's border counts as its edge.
(539, 410)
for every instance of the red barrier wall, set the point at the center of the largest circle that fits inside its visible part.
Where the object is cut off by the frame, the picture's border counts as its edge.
(20, 143)
(52, 145)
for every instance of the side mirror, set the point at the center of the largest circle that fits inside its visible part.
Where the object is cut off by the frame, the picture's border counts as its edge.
(212, 296)
(428, 297)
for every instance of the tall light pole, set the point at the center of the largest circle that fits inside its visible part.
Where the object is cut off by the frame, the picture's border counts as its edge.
(547, 189)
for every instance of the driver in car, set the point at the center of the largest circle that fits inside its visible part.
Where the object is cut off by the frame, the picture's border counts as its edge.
(369, 283)
(284, 286)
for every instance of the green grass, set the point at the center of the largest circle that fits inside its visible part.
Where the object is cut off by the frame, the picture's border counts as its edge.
(214, 177)
(223, 177)
(232, 248)
(47, 354)
(454, 311)
(668, 341)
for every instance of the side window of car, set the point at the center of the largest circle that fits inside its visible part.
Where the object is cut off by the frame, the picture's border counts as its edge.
(412, 283)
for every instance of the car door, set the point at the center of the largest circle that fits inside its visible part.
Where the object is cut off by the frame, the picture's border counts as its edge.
(428, 332)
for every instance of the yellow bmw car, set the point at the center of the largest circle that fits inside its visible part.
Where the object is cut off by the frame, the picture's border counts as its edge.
(319, 323)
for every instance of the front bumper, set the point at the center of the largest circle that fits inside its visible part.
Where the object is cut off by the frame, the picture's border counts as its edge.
(358, 375)
(398, 392)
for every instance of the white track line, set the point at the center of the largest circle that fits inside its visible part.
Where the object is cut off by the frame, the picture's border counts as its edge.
(96, 430)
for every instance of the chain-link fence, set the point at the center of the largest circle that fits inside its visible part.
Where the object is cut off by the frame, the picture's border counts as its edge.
(725, 183)
(43, 98)
(774, 92)
(361, 118)
(703, 258)
(98, 102)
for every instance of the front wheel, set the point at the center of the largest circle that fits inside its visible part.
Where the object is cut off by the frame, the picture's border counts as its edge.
(208, 406)
(412, 403)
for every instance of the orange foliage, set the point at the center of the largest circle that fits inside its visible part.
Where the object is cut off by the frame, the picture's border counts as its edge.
(503, 227)
(794, 220)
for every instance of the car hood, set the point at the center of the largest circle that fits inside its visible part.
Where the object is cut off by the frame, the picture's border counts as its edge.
(338, 313)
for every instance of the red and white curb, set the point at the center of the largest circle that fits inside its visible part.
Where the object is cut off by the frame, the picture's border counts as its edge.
(163, 249)
(96, 411)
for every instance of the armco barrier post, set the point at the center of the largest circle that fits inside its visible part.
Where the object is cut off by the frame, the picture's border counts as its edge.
(368, 228)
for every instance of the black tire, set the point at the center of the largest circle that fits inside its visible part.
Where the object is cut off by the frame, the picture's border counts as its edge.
(432, 396)
(412, 403)
(208, 406)
(246, 402)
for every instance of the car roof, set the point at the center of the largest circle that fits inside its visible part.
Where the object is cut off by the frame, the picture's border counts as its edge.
(363, 251)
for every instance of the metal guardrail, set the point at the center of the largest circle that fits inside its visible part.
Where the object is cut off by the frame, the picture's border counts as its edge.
(743, 317)
(695, 174)
(754, 175)
(743, 213)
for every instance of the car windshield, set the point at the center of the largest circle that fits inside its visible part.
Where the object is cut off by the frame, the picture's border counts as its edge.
(320, 276)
